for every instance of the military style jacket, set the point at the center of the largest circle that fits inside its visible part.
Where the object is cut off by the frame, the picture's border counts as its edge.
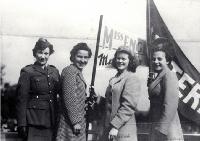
(37, 96)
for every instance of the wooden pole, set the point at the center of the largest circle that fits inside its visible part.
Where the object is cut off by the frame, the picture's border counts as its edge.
(149, 40)
(92, 98)
(96, 51)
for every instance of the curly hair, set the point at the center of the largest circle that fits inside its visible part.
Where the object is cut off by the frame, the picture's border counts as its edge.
(77, 47)
(42, 44)
(133, 62)
(164, 45)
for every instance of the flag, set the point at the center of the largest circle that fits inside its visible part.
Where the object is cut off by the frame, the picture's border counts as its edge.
(189, 77)
(112, 37)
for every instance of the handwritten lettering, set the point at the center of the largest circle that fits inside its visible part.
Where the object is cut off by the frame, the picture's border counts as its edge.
(103, 60)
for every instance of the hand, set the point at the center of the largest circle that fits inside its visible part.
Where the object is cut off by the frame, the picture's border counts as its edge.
(22, 131)
(149, 81)
(160, 135)
(77, 128)
(113, 133)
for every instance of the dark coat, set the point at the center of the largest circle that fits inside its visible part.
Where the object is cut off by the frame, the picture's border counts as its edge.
(121, 101)
(37, 96)
(163, 95)
(73, 104)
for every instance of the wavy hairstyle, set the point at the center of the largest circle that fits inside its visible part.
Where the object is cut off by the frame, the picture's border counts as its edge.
(42, 44)
(133, 62)
(77, 47)
(164, 45)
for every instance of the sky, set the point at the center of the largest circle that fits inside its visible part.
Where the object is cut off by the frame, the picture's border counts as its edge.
(67, 22)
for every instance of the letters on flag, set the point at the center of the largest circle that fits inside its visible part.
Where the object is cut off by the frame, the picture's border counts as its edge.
(111, 38)
(189, 77)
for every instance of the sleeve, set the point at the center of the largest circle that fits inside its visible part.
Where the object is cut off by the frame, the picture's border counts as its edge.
(69, 96)
(170, 101)
(58, 85)
(22, 97)
(128, 102)
(57, 95)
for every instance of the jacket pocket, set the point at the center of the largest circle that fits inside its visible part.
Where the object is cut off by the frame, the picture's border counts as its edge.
(38, 113)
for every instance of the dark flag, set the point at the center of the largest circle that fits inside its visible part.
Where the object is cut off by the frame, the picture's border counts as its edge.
(189, 77)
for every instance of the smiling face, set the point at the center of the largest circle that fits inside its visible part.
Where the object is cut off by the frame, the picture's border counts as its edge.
(159, 61)
(122, 61)
(81, 59)
(42, 56)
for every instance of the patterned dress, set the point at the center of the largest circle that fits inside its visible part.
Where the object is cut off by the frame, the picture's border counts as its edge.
(72, 105)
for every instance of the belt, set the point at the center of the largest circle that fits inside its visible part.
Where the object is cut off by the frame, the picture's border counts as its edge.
(44, 97)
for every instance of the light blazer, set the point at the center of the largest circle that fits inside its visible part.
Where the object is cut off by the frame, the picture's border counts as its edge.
(121, 100)
(163, 95)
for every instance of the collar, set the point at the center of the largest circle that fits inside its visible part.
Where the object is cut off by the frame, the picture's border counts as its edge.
(38, 68)
(118, 77)
(157, 80)
(79, 72)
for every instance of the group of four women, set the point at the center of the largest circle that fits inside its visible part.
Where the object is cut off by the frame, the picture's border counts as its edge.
(52, 107)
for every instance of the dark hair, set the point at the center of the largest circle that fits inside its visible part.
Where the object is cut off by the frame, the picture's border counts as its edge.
(133, 62)
(77, 47)
(164, 45)
(42, 44)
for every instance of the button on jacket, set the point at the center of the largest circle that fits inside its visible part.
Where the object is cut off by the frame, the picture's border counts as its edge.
(37, 96)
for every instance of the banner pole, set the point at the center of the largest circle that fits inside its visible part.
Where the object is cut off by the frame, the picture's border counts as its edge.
(96, 51)
(148, 43)
(91, 100)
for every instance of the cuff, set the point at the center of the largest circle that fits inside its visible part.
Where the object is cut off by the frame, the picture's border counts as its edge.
(116, 122)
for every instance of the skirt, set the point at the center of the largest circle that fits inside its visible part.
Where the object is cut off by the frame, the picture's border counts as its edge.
(65, 131)
(40, 134)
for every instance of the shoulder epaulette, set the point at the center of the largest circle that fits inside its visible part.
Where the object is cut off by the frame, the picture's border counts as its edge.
(28, 65)
(52, 66)
(27, 68)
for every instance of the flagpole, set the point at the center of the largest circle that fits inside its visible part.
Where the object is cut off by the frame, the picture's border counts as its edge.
(148, 43)
(96, 51)
(92, 97)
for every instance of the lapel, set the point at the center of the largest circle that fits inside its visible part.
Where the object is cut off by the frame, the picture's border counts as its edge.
(117, 78)
(81, 77)
(79, 73)
(157, 80)
(39, 69)
(49, 70)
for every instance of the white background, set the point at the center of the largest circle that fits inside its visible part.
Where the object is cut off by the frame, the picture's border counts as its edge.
(67, 22)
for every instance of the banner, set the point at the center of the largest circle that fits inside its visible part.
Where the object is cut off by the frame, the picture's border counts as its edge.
(189, 77)
(111, 38)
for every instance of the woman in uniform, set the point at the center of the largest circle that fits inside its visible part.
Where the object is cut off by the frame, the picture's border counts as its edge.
(163, 95)
(37, 91)
(72, 125)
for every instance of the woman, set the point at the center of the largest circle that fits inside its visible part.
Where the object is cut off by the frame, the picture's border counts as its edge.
(72, 126)
(37, 91)
(163, 95)
(121, 99)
